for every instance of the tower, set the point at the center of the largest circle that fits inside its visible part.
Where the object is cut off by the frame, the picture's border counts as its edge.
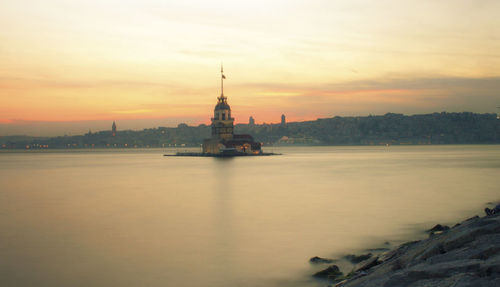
(113, 129)
(223, 141)
(222, 122)
(283, 120)
(251, 121)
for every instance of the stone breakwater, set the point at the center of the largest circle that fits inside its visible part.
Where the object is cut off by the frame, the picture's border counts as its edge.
(468, 254)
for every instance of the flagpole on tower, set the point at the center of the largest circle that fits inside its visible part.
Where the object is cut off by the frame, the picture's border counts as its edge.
(222, 80)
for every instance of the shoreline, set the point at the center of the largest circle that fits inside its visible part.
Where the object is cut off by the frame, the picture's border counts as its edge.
(201, 154)
(467, 254)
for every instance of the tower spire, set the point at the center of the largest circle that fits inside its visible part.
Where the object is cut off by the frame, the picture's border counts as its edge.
(113, 129)
(222, 81)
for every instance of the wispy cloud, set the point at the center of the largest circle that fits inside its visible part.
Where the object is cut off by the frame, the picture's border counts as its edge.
(132, 112)
(68, 83)
(418, 95)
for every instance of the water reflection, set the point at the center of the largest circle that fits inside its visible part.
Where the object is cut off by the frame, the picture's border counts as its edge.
(140, 219)
(222, 223)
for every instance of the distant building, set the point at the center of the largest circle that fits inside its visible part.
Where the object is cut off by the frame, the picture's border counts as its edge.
(223, 140)
(283, 120)
(251, 121)
(113, 129)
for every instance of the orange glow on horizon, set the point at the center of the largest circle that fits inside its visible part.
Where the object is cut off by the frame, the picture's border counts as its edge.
(307, 61)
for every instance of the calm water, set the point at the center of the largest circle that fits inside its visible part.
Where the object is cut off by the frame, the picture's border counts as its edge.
(136, 218)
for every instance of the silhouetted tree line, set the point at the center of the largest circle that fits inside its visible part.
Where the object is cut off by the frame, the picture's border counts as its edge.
(436, 128)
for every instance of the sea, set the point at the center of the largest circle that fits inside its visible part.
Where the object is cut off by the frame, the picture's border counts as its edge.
(133, 217)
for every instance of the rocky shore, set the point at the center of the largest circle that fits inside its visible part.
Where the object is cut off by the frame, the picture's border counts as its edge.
(467, 254)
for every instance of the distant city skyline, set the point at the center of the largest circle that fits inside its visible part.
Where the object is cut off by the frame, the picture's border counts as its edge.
(72, 66)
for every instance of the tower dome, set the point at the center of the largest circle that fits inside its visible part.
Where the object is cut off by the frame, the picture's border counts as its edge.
(222, 104)
(222, 110)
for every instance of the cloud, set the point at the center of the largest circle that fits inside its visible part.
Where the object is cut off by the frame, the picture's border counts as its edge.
(379, 96)
(390, 83)
(64, 83)
(133, 112)
(266, 101)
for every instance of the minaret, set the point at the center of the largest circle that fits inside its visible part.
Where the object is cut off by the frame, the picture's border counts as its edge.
(113, 129)
(222, 122)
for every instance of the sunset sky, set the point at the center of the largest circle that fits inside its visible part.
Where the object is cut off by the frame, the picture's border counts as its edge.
(70, 66)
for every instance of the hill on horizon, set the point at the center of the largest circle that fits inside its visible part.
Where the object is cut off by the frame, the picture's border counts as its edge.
(391, 128)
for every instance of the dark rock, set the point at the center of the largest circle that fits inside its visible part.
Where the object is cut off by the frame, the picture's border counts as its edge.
(368, 264)
(466, 255)
(486, 253)
(379, 249)
(445, 269)
(390, 254)
(407, 278)
(490, 212)
(438, 227)
(472, 218)
(356, 259)
(398, 251)
(332, 272)
(491, 269)
(398, 264)
(319, 260)
(433, 250)
(409, 244)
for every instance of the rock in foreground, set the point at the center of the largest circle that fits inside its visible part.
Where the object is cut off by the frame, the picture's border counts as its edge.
(320, 260)
(357, 258)
(465, 255)
(330, 273)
